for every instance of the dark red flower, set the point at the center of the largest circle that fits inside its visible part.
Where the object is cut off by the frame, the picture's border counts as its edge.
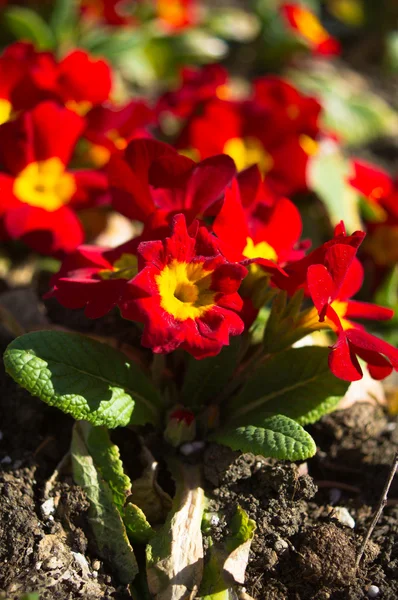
(110, 128)
(94, 278)
(151, 182)
(185, 293)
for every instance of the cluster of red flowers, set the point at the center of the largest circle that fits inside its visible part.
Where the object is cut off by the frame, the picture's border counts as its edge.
(218, 228)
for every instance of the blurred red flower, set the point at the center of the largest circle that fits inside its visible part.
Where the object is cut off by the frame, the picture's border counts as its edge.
(276, 127)
(39, 195)
(28, 77)
(305, 24)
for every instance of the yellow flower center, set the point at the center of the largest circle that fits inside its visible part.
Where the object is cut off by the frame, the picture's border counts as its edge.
(81, 108)
(309, 145)
(184, 290)
(260, 250)
(124, 267)
(309, 26)
(5, 110)
(117, 139)
(247, 152)
(45, 184)
(98, 155)
(256, 281)
(341, 309)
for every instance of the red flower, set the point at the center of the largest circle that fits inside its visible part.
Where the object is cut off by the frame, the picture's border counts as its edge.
(254, 222)
(177, 14)
(153, 182)
(337, 255)
(380, 192)
(29, 77)
(335, 308)
(275, 128)
(94, 278)
(197, 85)
(110, 129)
(185, 293)
(308, 28)
(112, 12)
(37, 191)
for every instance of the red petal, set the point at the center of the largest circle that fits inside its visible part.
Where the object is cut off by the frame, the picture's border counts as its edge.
(230, 225)
(321, 288)
(342, 361)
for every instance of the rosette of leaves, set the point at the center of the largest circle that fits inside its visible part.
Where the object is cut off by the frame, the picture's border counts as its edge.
(262, 391)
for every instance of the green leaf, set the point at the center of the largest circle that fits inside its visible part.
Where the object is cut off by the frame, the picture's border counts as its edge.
(106, 457)
(205, 379)
(227, 564)
(297, 383)
(279, 437)
(64, 18)
(328, 174)
(138, 528)
(84, 378)
(27, 24)
(103, 515)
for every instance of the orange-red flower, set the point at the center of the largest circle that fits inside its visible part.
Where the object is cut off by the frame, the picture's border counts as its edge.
(185, 293)
(305, 24)
(111, 12)
(177, 14)
(39, 195)
(28, 77)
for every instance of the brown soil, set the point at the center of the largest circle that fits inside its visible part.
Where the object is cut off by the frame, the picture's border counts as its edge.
(301, 550)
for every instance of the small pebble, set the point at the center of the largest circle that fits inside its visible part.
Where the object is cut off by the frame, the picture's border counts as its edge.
(373, 591)
(341, 514)
(47, 508)
(280, 546)
(95, 574)
(214, 520)
(96, 565)
(389, 427)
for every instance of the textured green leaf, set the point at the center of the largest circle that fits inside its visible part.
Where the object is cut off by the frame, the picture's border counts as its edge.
(138, 528)
(205, 379)
(104, 517)
(84, 378)
(27, 24)
(297, 383)
(279, 437)
(106, 457)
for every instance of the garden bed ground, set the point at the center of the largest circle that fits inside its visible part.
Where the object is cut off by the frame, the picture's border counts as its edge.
(301, 550)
